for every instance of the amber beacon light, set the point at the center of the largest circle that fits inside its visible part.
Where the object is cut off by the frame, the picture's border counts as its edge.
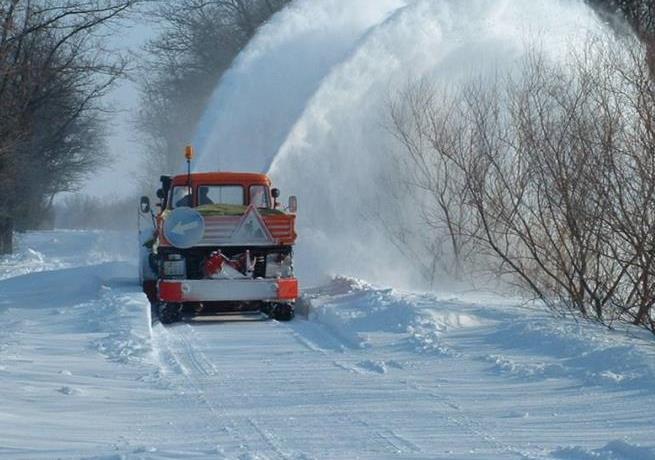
(188, 152)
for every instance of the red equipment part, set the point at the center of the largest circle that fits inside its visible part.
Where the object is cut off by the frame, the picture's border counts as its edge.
(287, 289)
(214, 264)
(170, 292)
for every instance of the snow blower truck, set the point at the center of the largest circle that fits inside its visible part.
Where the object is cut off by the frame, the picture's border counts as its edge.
(220, 244)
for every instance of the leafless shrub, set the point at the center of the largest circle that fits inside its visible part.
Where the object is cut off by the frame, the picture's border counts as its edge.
(548, 175)
(421, 122)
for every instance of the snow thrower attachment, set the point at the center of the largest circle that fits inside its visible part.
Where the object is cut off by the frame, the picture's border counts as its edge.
(220, 245)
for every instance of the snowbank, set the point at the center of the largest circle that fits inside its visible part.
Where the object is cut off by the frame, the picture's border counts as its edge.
(524, 344)
(54, 250)
(615, 450)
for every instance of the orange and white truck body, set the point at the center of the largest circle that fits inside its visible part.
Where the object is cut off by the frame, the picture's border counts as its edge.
(222, 240)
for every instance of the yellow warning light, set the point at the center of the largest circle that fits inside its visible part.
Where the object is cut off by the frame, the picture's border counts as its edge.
(188, 152)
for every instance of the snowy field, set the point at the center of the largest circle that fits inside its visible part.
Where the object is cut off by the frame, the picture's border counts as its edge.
(373, 373)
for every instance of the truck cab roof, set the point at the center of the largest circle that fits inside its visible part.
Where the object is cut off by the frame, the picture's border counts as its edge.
(223, 178)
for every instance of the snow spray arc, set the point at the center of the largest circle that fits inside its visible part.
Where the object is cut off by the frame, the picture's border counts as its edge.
(307, 100)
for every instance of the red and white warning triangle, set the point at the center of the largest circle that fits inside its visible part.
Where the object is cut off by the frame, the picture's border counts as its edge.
(252, 229)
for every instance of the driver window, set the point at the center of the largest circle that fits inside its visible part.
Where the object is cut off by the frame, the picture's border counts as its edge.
(259, 196)
(181, 197)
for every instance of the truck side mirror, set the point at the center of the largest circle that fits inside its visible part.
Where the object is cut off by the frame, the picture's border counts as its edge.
(145, 204)
(160, 194)
(293, 204)
(275, 193)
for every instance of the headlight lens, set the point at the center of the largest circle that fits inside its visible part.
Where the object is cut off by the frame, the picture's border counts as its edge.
(174, 266)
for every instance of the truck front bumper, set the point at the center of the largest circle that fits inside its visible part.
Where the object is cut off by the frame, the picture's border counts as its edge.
(220, 290)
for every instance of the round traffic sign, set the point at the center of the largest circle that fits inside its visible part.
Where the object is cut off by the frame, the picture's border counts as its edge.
(184, 227)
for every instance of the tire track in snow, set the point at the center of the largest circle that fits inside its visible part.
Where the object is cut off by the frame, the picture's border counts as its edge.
(186, 363)
(197, 366)
(391, 438)
(397, 443)
(186, 349)
(198, 360)
(472, 426)
(203, 366)
(270, 439)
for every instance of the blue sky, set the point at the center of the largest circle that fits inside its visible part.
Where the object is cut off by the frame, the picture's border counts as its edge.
(122, 138)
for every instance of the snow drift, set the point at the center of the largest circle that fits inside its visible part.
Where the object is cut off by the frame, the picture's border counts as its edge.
(384, 372)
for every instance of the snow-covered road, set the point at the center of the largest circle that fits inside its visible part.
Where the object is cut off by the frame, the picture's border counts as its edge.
(374, 373)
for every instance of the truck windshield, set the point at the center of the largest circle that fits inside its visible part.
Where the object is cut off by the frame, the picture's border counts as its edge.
(216, 194)
(220, 194)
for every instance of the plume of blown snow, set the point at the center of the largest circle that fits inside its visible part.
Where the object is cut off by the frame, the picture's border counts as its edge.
(260, 98)
(307, 101)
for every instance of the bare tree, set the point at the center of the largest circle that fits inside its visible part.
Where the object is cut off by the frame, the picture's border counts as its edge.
(53, 71)
(420, 122)
(550, 176)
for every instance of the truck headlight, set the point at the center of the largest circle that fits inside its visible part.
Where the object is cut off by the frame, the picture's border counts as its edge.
(174, 266)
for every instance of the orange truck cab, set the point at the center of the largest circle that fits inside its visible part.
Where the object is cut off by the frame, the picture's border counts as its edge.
(220, 244)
